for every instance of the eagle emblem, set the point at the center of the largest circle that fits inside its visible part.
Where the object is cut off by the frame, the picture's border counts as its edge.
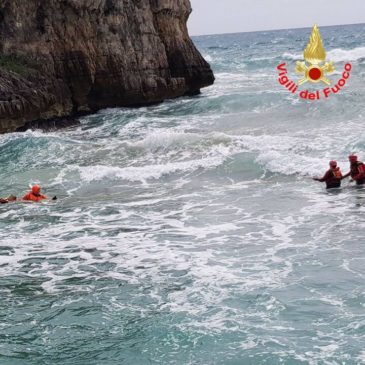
(314, 55)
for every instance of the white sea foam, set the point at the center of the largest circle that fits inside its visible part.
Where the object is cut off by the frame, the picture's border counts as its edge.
(143, 173)
(361, 357)
(285, 154)
(343, 55)
(336, 55)
(208, 58)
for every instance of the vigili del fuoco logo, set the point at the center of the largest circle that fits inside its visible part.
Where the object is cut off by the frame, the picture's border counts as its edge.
(314, 69)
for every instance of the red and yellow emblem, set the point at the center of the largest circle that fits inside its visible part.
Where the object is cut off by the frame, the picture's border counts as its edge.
(314, 55)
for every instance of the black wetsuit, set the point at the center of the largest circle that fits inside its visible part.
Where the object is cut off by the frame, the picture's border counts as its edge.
(331, 180)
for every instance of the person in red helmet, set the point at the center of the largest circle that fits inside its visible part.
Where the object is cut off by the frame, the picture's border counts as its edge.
(357, 170)
(332, 177)
(35, 195)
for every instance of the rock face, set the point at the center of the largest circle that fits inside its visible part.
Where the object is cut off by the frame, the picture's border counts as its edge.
(59, 58)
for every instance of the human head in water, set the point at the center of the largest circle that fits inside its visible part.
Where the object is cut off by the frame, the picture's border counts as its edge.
(353, 158)
(333, 164)
(11, 198)
(36, 190)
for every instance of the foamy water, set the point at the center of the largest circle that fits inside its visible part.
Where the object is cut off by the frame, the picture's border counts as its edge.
(191, 232)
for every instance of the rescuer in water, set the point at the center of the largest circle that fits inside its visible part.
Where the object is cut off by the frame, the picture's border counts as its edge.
(35, 195)
(332, 177)
(357, 170)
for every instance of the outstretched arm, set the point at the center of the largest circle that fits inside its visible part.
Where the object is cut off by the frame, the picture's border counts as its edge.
(324, 178)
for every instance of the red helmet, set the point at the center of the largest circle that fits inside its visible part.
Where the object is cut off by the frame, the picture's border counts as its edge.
(36, 189)
(353, 158)
(333, 163)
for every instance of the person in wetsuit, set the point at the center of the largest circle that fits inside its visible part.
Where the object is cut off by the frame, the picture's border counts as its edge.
(357, 170)
(332, 177)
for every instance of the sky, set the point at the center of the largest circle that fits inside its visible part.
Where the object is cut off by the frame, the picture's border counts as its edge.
(231, 16)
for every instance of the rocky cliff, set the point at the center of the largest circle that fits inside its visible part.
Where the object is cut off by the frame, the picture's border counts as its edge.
(59, 58)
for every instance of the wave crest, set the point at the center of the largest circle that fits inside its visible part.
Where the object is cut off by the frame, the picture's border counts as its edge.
(336, 55)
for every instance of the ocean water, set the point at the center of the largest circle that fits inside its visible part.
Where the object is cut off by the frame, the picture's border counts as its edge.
(191, 232)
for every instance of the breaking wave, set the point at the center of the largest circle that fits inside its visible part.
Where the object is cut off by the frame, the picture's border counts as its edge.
(336, 55)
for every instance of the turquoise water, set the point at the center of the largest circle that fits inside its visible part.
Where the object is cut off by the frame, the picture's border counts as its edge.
(190, 232)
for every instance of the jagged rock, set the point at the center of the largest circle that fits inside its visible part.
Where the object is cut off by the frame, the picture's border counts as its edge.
(63, 57)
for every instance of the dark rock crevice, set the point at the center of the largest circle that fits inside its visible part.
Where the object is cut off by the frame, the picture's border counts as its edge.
(65, 57)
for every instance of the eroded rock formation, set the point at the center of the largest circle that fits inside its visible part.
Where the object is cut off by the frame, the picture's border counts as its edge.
(63, 57)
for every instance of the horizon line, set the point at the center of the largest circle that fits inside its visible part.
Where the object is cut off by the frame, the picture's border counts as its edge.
(276, 29)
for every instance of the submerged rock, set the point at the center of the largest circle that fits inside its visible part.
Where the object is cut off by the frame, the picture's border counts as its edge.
(60, 58)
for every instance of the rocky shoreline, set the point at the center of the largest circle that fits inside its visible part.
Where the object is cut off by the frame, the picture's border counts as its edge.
(60, 59)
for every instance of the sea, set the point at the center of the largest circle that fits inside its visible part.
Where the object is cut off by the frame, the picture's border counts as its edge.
(191, 232)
